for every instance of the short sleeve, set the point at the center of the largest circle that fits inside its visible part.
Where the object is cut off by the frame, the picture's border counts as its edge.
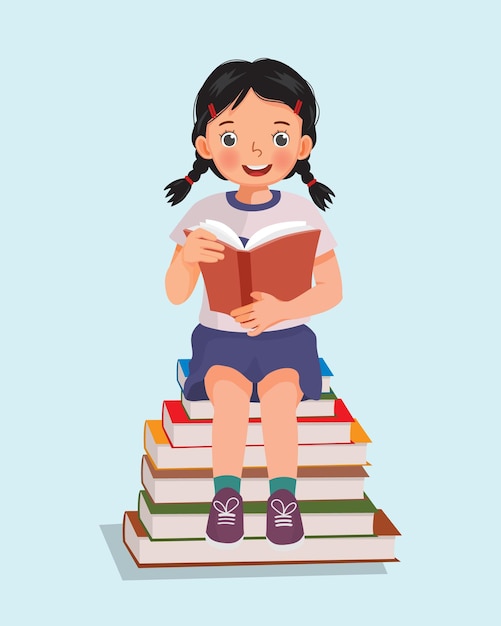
(214, 206)
(192, 217)
(187, 221)
(326, 240)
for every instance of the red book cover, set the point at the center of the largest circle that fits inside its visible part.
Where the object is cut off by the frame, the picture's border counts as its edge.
(179, 416)
(282, 267)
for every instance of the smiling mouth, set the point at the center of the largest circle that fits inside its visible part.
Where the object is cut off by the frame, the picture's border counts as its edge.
(256, 170)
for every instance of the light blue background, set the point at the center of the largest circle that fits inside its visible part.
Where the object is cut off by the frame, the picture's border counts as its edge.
(96, 115)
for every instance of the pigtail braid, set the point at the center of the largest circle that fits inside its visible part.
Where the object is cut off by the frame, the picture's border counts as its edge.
(180, 188)
(320, 193)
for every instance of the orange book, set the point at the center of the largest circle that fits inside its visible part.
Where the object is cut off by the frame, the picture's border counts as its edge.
(378, 546)
(278, 260)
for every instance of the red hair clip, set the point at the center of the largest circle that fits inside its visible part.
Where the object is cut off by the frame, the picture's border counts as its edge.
(212, 110)
(298, 106)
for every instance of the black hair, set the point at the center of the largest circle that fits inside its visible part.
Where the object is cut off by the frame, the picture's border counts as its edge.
(230, 82)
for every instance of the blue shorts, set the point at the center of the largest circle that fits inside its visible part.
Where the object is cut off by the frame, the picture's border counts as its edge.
(255, 357)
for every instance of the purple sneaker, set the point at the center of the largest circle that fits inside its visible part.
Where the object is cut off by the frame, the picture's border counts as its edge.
(225, 526)
(284, 527)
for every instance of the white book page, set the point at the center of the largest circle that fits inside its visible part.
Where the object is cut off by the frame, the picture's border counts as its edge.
(276, 230)
(223, 232)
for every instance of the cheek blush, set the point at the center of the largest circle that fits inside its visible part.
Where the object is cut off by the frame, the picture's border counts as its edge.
(227, 159)
(283, 160)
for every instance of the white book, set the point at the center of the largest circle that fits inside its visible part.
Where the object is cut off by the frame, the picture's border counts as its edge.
(164, 455)
(183, 369)
(227, 235)
(379, 546)
(189, 520)
(183, 431)
(203, 409)
(324, 482)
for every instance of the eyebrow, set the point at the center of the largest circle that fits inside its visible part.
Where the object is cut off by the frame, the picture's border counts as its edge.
(231, 122)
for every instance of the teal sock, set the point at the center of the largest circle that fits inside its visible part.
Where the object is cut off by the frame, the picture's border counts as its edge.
(283, 482)
(226, 481)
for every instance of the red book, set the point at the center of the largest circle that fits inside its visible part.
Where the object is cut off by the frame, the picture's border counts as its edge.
(277, 260)
(183, 431)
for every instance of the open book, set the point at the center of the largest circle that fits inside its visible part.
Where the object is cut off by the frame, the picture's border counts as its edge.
(277, 259)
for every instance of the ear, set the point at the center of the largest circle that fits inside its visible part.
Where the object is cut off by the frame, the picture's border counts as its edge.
(202, 147)
(305, 147)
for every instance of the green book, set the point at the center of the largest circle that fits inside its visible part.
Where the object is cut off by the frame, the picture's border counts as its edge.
(320, 518)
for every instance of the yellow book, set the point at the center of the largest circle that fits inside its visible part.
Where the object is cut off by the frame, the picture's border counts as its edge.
(165, 455)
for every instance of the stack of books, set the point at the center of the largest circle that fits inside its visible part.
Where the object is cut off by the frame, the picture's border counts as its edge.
(341, 523)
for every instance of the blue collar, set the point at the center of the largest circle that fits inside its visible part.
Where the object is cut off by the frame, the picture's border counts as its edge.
(236, 204)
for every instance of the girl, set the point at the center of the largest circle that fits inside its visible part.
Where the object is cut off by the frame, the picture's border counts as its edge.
(255, 125)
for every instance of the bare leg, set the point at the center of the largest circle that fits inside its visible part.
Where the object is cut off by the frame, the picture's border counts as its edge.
(230, 392)
(279, 395)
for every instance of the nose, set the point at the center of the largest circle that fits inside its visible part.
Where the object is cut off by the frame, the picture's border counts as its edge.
(254, 149)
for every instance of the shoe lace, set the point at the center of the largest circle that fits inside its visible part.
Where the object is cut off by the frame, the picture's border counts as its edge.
(225, 513)
(283, 516)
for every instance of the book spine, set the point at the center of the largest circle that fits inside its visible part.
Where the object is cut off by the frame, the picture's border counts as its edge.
(244, 271)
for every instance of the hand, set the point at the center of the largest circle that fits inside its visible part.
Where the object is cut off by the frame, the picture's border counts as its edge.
(202, 247)
(264, 312)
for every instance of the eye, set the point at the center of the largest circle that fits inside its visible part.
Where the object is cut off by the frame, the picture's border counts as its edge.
(228, 139)
(281, 139)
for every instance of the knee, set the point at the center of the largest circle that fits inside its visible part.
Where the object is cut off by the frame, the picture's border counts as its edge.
(284, 380)
(220, 378)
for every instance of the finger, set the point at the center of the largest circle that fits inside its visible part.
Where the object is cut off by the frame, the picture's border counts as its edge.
(201, 233)
(211, 245)
(257, 295)
(245, 317)
(248, 323)
(211, 258)
(255, 331)
(215, 253)
(242, 310)
(258, 329)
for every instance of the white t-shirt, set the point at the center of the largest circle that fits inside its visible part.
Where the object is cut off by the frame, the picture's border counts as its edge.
(245, 220)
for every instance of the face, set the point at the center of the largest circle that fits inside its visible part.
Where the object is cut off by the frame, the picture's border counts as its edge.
(257, 144)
